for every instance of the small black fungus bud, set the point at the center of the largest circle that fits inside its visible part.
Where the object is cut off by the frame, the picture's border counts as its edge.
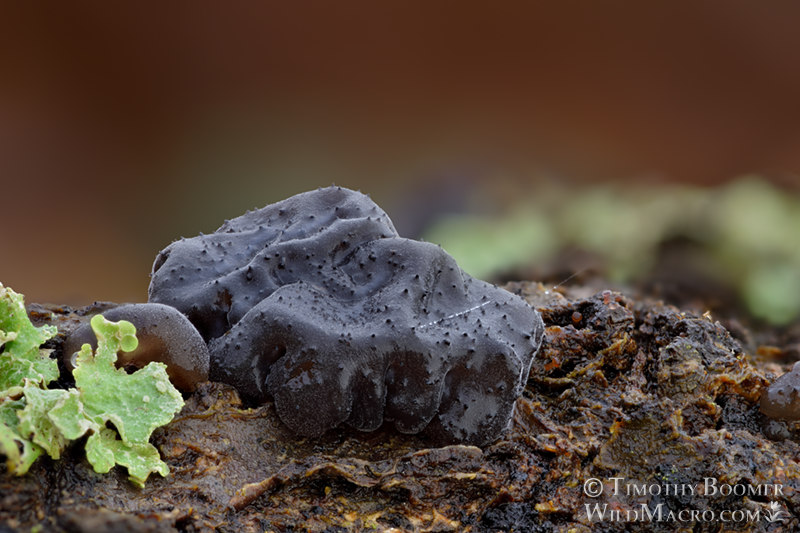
(781, 400)
(164, 335)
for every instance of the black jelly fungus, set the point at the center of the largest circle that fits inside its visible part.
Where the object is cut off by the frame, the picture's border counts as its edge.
(287, 324)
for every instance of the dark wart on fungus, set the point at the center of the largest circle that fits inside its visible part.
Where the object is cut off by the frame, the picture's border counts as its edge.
(782, 399)
(164, 335)
(316, 303)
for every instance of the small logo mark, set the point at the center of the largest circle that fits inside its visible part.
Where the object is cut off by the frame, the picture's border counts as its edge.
(774, 513)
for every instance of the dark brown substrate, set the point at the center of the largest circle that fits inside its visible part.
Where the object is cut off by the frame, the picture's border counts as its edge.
(620, 389)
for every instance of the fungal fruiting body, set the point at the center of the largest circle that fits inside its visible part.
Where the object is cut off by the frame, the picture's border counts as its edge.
(781, 400)
(317, 303)
(164, 335)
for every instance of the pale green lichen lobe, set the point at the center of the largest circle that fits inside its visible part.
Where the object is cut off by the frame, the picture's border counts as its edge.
(110, 394)
(22, 359)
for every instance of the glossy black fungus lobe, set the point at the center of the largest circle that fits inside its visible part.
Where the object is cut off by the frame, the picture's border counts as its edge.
(164, 335)
(317, 303)
(782, 399)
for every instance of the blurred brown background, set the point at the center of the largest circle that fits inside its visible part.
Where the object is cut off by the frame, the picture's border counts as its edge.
(124, 127)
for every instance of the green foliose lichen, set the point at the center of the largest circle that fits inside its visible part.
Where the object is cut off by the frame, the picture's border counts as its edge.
(36, 420)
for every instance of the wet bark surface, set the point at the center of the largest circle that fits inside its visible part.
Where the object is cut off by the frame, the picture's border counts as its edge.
(643, 397)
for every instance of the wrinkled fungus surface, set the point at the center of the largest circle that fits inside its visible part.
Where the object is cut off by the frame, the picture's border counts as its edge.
(318, 304)
(164, 335)
(782, 398)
